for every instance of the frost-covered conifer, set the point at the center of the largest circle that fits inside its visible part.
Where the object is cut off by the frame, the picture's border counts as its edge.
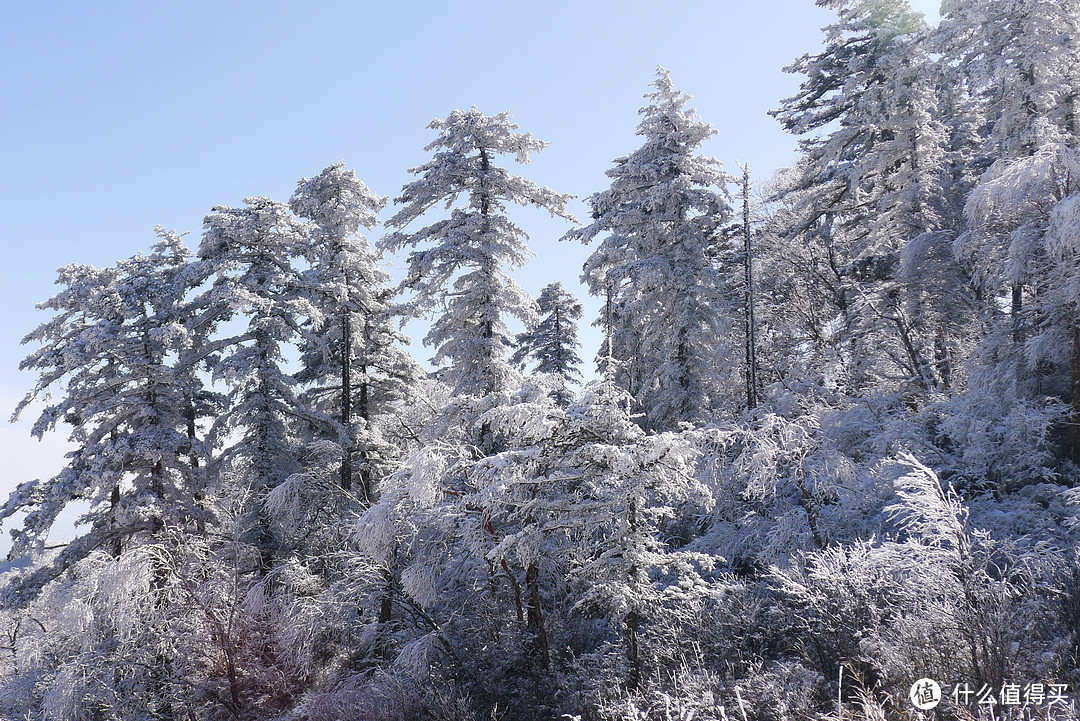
(1018, 59)
(552, 343)
(1034, 350)
(627, 486)
(251, 252)
(778, 484)
(465, 262)
(567, 525)
(111, 351)
(667, 308)
(352, 360)
(584, 499)
(447, 535)
(875, 173)
(873, 176)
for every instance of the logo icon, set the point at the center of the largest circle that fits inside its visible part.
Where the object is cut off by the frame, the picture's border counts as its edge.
(925, 694)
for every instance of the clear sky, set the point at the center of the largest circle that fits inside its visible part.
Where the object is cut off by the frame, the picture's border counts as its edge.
(118, 116)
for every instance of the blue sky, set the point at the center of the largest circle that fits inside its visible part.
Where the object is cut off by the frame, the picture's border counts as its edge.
(116, 117)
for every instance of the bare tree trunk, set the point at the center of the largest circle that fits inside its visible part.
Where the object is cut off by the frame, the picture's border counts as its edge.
(514, 585)
(1017, 308)
(748, 298)
(516, 588)
(116, 545)
(633, 653)
(633, 620)
(366, 476)
(386, 613)
(346, 399)
(1074, 422)
(536, 616)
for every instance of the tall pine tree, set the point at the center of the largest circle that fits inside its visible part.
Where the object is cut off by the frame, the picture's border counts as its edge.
(251, 253)
(465, 266)
(352, 362)
(111, 350)
(668, 309)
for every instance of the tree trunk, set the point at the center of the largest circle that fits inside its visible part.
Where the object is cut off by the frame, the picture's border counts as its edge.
(117, 545)
(748, 298)
(386, 612)
(633, 620)
(1074, 422)
(346, 400)
(1016, 309)
(197, 492)
(536, 616)
(942, 360)
(633, 654)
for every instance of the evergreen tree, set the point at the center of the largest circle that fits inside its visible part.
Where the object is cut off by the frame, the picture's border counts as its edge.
(667, 308)
(625, 489)
(111, 348)
(871, 179)
(351, 361)
(251, 252)
(1018, 60)
(1034, 350)
(465, 269)
(552, 343)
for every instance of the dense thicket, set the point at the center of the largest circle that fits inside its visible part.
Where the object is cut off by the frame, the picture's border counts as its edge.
(287, 518)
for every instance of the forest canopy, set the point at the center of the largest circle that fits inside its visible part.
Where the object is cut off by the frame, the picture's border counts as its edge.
(824, 463)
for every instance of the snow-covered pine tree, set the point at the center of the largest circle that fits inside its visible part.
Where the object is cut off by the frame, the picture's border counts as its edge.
(305, 609)
(874, 79)
(668, 310)
(446, 529)
(552, 343)
(871, 179)
(251, 252)
(465, 266)
(463, 270)
(429, 506)
(558, 539)
(110, 351)
(1019, 61)
(352, 362)
(1032, 202)
(114, 354)
(621, 488)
